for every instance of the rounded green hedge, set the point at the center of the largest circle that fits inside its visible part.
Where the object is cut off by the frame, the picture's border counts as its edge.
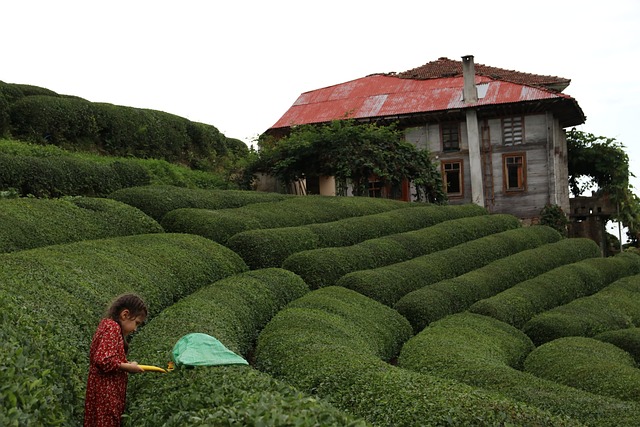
(627, 339)
(436, 301)
(324, 266)
(328, 342)
(30, 223)
(587, 364)
(520, 303)
(390, 283)
(57, 176)
(157, 200)
(64, 289)
(233, 310)
(280, 243)
(221, 225)
(617, 306)
(487, 353)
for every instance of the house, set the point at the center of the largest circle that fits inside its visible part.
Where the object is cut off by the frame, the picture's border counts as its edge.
(497, 135)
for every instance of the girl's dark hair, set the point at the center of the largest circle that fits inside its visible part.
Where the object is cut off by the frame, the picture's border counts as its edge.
(131, 302)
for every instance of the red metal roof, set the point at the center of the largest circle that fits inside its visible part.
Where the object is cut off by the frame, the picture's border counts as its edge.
(434, 87)
(445, 67)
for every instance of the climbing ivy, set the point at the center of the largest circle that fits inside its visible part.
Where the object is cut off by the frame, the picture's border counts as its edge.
(351, 152)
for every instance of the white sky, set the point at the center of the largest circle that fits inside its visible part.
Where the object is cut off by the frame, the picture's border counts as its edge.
(240, 64)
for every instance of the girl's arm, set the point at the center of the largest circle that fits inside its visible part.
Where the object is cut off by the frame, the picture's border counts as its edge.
(131, 367)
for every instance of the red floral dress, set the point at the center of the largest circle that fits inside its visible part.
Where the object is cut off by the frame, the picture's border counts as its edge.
(107, 383)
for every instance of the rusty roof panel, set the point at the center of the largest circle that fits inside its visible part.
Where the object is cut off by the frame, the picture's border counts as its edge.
(384, 95)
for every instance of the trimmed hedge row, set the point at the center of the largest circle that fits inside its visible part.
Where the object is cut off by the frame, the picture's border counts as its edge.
(263, 248)
(31, 223)
(520, 303)
(487, 353)
(329, 343)
(388, 284)
(64, 289)
(436, 301)
(233, 310)
(117, 130)
(617, 306)
(221, 225)
(157, 172)
(324, 266)
(157, 200)
(589, 365)
(65, 175)
(627, 339)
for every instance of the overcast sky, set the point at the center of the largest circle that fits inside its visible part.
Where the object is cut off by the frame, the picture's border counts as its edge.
(239, 65)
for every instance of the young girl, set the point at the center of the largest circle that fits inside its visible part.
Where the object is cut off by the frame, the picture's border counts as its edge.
(108, 365)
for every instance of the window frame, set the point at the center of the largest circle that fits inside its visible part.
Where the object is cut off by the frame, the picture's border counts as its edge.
(443, 169)
(451, 128)
(521, 175)
(509, 136)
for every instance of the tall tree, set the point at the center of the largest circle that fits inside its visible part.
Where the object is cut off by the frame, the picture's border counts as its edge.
(601, 162)
(353, 153)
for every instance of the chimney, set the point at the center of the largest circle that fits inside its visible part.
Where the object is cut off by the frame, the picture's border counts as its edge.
(470, 92)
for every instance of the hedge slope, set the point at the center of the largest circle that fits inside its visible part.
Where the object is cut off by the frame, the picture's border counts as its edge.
(30, 223)
(333, 342)
(233, 310)
(487, 353)
(63, 290)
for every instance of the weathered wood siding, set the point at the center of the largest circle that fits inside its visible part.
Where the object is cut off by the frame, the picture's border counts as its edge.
(544, 148)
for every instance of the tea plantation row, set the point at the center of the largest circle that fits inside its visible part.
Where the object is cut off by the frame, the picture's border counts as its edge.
(325, 354)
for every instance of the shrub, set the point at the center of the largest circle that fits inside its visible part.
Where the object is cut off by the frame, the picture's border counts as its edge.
(589, 365)
(614, 307)
(62, 176)
(328, 342)
(626, 339)
(556, 287)
(158, 200)
(390, 283)
(233, 310)
(436, 301)
(65, 288)
(324, 266)
(30, 223)
(292, 211)
(486, 353)
(341, 232)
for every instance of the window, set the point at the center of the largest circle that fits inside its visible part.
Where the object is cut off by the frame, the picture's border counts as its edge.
(375, 188)
(514, 172)
(513, 130)
(450, 134)
(452, 177)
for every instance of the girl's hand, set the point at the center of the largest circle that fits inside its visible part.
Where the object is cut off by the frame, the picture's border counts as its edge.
(131, 367)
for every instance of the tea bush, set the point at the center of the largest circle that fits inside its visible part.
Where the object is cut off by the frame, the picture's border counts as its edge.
(555, 288)
(63, 289)
(487, 353)
(233, 310)
(614, 307)
(450, 296)
(157, 200)
(30, 223)
(130, 171)
(67, 176)
(589, 365)
(221, 225)
(390, 283)
(332, 341)
(627, 339)
(324, 266)
(279, 243)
